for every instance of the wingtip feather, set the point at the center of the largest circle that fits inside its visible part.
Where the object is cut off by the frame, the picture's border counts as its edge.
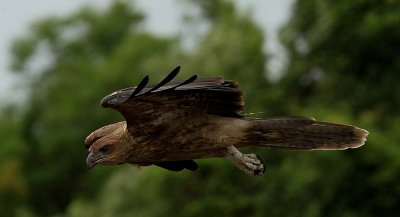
(167, 79)
(140, 87)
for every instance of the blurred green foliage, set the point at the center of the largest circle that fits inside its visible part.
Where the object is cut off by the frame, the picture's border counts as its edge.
(343, 66)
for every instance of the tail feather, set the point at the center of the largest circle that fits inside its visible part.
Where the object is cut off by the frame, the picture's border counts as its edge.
(313, 136)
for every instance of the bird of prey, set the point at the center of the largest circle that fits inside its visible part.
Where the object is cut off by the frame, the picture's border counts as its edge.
(172, 123)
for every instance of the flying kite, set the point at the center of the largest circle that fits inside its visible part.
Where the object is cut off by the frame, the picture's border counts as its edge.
(172, 123)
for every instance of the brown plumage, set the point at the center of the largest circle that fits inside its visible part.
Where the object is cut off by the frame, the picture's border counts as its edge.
(174, 122)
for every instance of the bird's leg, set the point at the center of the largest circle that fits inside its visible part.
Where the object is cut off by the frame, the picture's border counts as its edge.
(251, 164)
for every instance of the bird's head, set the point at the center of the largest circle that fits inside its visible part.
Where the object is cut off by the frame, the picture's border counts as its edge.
(108, 145)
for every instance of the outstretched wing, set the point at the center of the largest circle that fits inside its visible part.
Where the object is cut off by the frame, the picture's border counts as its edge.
(151, 108)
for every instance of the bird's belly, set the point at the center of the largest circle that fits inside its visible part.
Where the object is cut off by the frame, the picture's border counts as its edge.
(194, 154)
(194, 141)
(177, 151)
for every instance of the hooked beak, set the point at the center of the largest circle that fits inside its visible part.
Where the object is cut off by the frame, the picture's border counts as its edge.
(92, 160)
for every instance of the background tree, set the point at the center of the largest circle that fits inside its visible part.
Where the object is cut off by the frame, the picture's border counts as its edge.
(344, 55)
(349, 49)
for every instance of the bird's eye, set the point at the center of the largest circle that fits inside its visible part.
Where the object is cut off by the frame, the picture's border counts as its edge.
(105, 149)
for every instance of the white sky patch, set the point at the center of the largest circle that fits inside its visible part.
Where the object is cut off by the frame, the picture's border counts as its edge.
(15, 18)
(270, 15)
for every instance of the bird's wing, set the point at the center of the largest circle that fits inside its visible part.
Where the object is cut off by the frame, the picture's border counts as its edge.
(178, 165)
(155, 106)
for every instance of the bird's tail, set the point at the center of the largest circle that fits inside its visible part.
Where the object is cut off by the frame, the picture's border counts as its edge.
(304, 133)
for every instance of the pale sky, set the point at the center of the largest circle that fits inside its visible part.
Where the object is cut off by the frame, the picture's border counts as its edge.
(163, 17)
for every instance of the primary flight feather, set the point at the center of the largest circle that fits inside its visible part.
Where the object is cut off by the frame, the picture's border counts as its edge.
(174, 122)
